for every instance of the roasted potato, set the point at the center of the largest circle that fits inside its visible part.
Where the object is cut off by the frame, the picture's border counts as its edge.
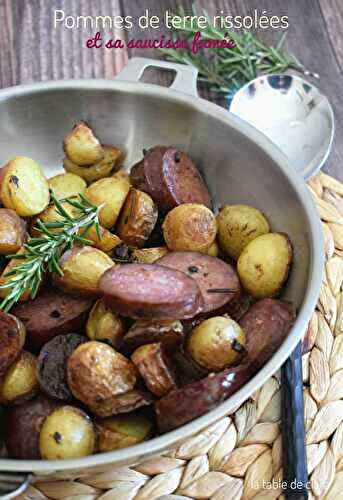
(169, 333)
(137, 218)
(126, 403)
(52, 363)
(67, 432)
(156, 368)
(122, 431)
(111, 194)
(105, 325)
(122, 175)
(50, 214)
(107, 241)
(20, 382)
(22, 426)
(23, 187)
(99, 170)
(190, 227)
(97, 374)
(4, 278)
(12, 232)
(237, 226)
(67, 185)
(216, 343)
(82, 147)
(82, 268)
(213, 251)
(264, 264)
(149, 255)
(12, 340)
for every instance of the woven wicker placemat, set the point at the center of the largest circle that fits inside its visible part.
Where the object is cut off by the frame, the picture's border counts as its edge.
(240, 455)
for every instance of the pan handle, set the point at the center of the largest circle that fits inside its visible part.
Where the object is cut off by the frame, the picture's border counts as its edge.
(185, 79)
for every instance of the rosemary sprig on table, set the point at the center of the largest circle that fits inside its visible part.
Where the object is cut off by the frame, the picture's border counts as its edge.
(226, 70)
(42, 253)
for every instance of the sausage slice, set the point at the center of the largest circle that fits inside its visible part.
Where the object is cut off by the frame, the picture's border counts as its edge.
(209, 272)
(149, 291)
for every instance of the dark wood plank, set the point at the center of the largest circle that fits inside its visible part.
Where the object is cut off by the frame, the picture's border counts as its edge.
(332, 11)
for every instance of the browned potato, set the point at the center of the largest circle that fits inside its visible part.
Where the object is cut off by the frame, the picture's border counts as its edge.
(137, 218)
(67, 185)
(122, 175)
(216, 343)
(142, 332)
(23, 187)
(12, 232)
(97, 374)
(126, 403)
(82, 147)
(105, 325)
(213, 251)
(190, 227)
(156, 368)
(111, 194)
(82, 268)
(67, 432)
(50, 214)
(20, 382)
(237, 226)
(107, 241)
(264, 264)
(122, 431)
(103, 168)
(12, 339)
(5, 279)
(149, 255)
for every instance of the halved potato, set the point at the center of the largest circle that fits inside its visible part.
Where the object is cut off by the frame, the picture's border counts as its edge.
(121, 431)
(23, 187)
(111, 194)
(12, 232)
(50, 214)
(81, 145)
(137, 218)
(107, 241)
(67, 185)
(20, 382)
(105, 325)
(12, 340)
(5, 279)
(149, 255)
(99, 170)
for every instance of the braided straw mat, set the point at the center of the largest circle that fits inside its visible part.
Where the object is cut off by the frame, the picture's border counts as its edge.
(240, 455)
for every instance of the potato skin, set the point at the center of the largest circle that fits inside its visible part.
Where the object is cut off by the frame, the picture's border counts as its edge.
(97, 374)
(190, 227)
(103, 168)
(110, 192)
(142, 332)
(4, 279)
(12, 340)
(237, 226)
(264, 264)
(121, 431)
(137, 218)
(23, 424)
(81, 145)
(12, 232)
(105, 325)
(23, 187)
(149, 255)
(107, 242)
(82, 268)
(67, 185)
(20, 382)
(67, 432)
(217, 343)
(50, 214)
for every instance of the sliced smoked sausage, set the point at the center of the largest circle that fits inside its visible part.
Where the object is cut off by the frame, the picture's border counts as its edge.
(150, 291)
(210, 273)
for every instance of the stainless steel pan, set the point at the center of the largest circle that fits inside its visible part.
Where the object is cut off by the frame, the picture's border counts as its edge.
(240, 166)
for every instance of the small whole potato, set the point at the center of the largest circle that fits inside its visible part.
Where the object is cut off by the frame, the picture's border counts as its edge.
(122, 431)
(264, 264)
(111, 194)
(23, 187)
(20, 382)
(105, 325)
(237, 226)
(99, 170)
(67, 432)
(97, 374)
(190, 227)
(217, 343)
(149, 255)
(12, 232)
(137, 218)
(81, 145)
(82, 268)
(67, 185)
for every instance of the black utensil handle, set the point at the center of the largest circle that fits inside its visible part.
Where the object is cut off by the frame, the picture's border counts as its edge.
(293, 428)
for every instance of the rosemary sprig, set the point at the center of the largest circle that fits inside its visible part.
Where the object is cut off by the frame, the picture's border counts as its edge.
(42, 253)
(226, 70)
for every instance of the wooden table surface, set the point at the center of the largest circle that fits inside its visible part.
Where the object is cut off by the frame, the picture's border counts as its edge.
(31, 49)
